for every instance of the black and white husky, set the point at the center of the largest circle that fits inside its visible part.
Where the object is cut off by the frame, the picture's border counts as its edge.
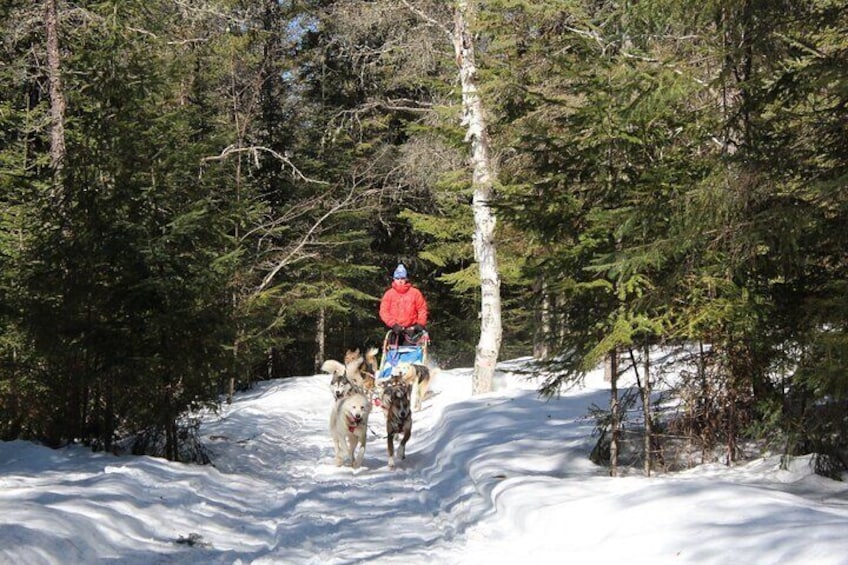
(340, 386)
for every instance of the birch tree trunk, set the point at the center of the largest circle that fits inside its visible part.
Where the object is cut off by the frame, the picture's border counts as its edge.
(482, 181)
(57, 96)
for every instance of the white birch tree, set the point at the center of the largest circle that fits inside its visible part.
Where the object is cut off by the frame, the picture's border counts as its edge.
(482, 182)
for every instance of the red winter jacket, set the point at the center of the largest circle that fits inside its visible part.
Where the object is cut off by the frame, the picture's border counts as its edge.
(403, 304)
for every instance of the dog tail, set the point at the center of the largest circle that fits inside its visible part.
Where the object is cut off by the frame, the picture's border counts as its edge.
(371, 360)
(333, 367)
(352, 371)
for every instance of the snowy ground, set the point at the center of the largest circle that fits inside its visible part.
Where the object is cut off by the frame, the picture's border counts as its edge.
(491, 479)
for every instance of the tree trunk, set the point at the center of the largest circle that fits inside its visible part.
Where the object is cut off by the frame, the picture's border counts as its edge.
(57, 97)
(474, 119)
(615, 416)
(231, 388)
(542, 337)
(703, 400)
(271, 369)
(171, 441)
(320, 340)
(646, 411)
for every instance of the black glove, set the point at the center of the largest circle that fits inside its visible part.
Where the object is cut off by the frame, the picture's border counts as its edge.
(397, 329)
(415, 329)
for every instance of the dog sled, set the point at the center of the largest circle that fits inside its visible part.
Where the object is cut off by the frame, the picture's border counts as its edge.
(399, 350)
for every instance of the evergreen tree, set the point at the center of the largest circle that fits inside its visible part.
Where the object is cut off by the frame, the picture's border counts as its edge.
(653, 192)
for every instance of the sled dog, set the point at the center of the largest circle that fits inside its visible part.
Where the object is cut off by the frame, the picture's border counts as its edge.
(418, 377)
(396, 403)
(348, 428)
(361, 370)
(340, 386)
(352, 375)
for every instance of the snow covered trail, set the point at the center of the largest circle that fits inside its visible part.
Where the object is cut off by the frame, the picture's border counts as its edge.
(272, 495)
(371, 512)
(327, 514)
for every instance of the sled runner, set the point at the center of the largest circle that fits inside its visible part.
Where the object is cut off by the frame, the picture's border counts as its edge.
(413, 350)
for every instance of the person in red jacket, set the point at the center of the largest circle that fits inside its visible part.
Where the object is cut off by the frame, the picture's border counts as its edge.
(403, 307)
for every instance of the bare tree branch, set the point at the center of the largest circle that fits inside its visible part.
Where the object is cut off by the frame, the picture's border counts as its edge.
(304, 240)
(255, 150)
(427, 18)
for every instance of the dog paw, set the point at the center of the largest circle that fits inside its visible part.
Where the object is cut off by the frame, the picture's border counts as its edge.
(391, 462)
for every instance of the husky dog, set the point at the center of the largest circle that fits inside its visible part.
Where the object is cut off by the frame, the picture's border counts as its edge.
(348, 428)
(352, 375)
(361, 370)
(418, 377)
(396, 403)
(340, 386)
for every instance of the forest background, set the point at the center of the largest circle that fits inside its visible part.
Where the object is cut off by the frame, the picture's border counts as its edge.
(236, 180)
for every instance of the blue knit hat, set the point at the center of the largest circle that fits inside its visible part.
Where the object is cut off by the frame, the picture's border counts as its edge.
(400, 272)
